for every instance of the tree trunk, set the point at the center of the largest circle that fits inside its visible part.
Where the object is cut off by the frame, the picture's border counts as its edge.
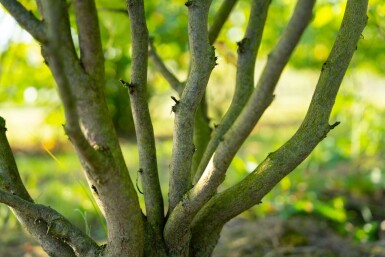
(196, 211)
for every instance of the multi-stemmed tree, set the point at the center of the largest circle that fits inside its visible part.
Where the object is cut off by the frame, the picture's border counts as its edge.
(200, 157)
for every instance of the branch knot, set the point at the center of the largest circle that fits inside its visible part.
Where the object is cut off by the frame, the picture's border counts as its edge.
(130, 86)
(242, 45)
(2, 125)
(334, 125)
(174, 108)
(188, 3)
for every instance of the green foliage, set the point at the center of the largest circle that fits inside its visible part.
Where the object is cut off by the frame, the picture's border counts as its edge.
(84, 216)
(341, 181)
(64, 188)
(31, 82)
(351, 157)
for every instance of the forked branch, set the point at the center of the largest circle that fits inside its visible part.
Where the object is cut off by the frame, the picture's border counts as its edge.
(90, 128)
(10, 182)
(260, 99)
(91, 52)
(203, 61)
(182, 216)
(215, 28)
(57, 226)
(226, 205)
(58, 21)
(244, 84)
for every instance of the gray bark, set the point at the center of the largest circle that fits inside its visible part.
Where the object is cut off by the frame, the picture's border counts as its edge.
(196, 211)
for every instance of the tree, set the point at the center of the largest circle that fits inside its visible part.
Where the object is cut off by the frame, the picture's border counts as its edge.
(196, 211)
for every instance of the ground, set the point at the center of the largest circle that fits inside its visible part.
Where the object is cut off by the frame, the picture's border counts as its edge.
(349, 162)
(299, 236)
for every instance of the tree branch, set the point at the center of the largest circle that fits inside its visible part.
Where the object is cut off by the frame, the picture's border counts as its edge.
(215, 28)
(91, 51)
(9, 175)
(202, 130)
(215, 171)
(161, 67)
(202, 63)
(142, 120)
(26, 19)
(214, 175)
(57, 21)
(57, 225)
(11, 182)
(202, 133)
(277, 165)
(261, 97)
(182, 216)
(100, 152)
(220, 19)
(244, 85)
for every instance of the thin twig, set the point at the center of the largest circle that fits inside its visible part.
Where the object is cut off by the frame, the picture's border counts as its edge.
(161, 67)
(220, 19)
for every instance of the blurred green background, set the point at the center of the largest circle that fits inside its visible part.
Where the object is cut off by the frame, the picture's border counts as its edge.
(342, 181)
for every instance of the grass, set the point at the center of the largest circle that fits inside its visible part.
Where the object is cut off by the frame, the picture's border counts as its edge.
(347, 167)
(56, 178)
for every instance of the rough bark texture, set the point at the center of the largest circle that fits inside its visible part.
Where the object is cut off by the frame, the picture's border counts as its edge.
(143, 126)
(203, 61)
(196, 211)
(244, 85)
(90, 129)
(315, 127)
(10, 182)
